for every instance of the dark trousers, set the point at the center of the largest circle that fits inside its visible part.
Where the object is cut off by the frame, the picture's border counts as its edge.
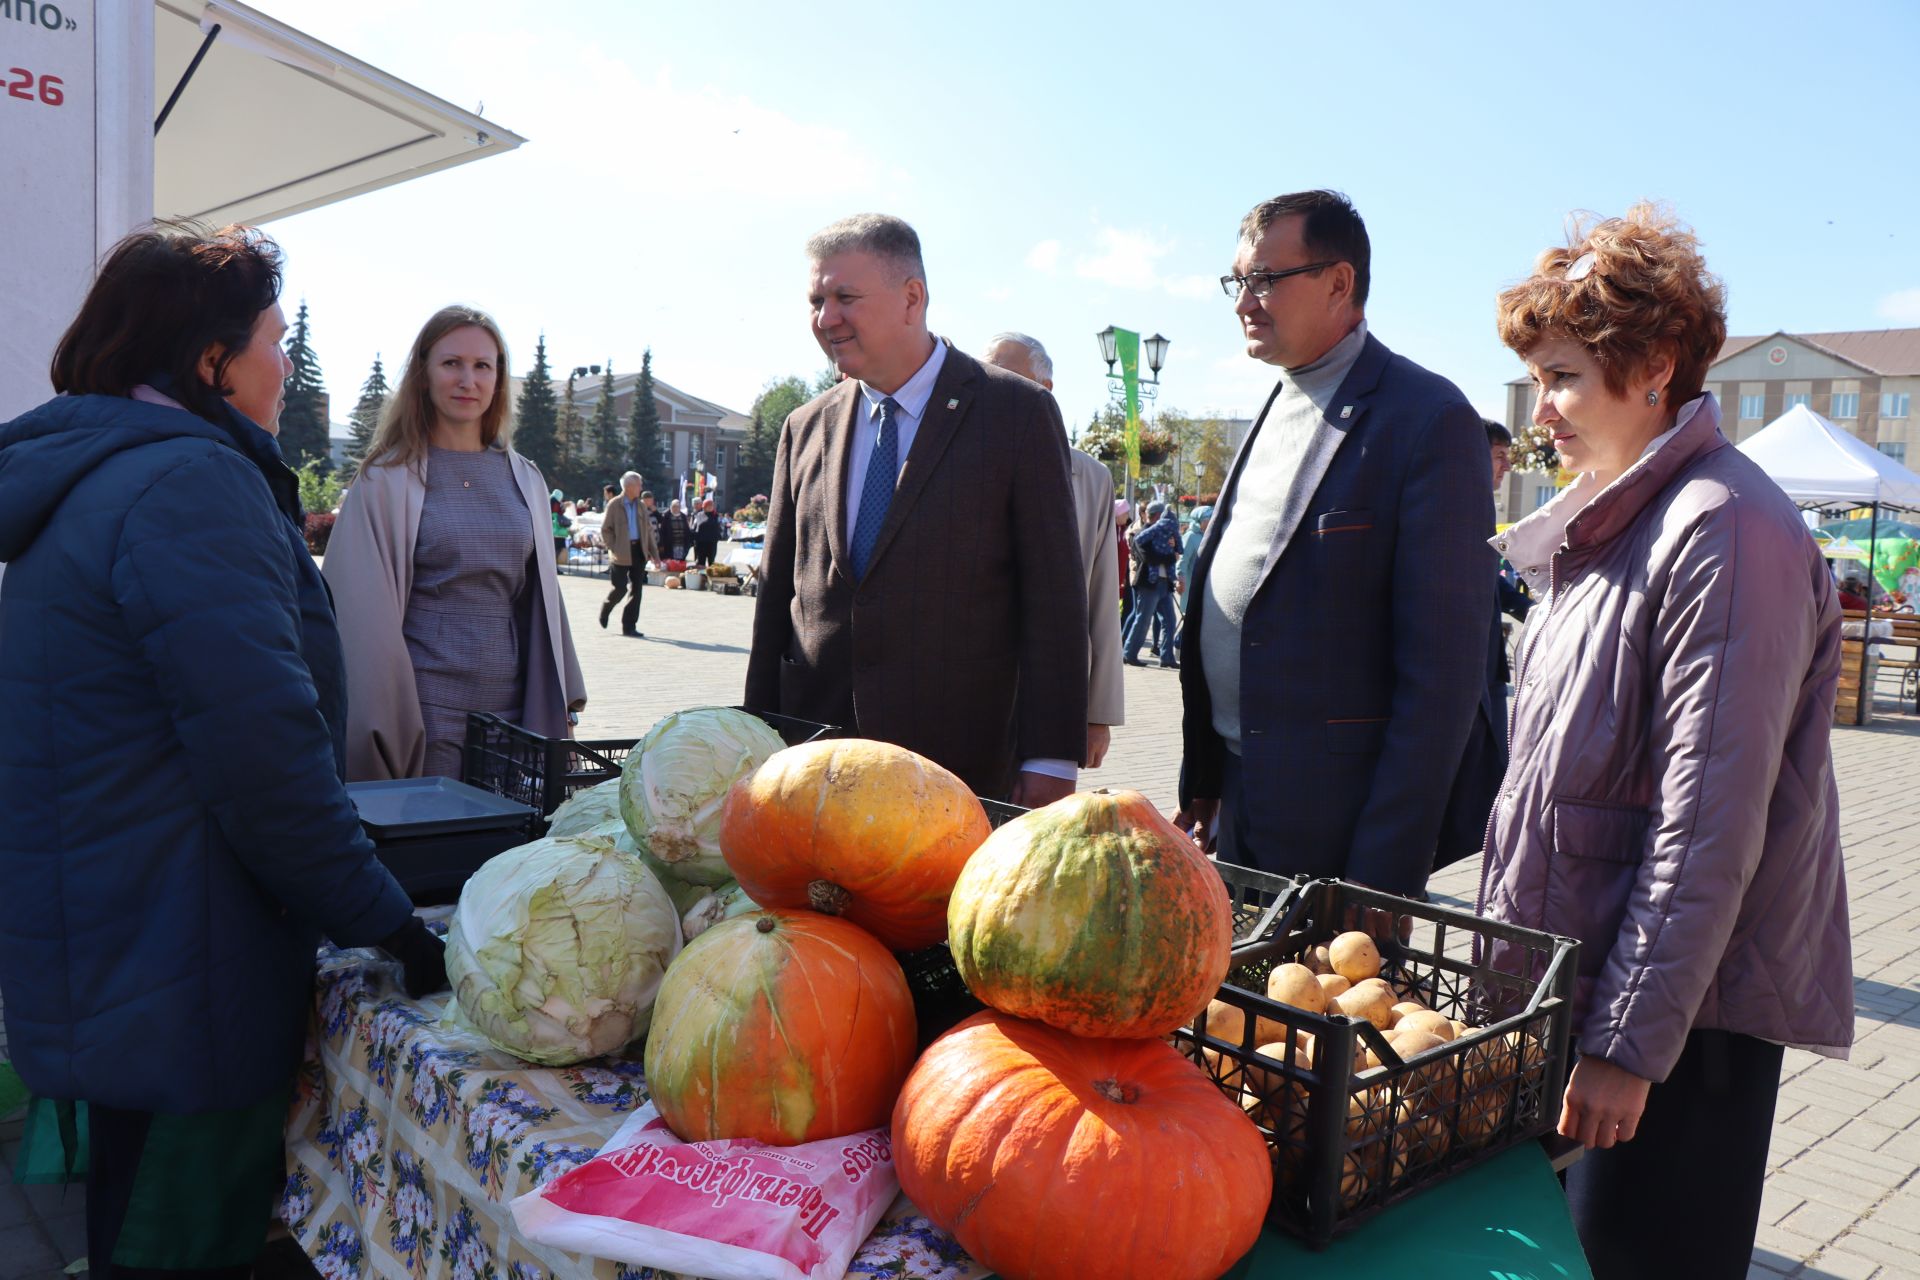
(1152, 604)
(116, 1141)
(1683, 1198)
(623, 576)
(1230, 831)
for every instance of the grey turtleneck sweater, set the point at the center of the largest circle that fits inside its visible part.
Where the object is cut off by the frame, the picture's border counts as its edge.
(1265, 498)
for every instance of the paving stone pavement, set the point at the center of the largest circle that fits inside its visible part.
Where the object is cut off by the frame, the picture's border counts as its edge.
(1842, 1199)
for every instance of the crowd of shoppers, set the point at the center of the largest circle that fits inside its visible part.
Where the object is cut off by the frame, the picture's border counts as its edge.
(936, 574)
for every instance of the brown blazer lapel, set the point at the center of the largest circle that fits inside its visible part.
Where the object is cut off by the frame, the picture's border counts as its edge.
(938, 424)
(839, 425)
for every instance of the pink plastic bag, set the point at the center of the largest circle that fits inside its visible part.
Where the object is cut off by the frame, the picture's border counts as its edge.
(730, 1210)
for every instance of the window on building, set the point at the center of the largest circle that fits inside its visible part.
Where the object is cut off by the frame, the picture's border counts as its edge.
(1895, 449)
(1894, 404)
(1542, 495)
(1798, 398)
(1846, 404)
(1753, 407)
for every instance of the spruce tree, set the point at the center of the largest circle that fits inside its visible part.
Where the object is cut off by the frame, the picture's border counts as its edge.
(609, 439)
(643, 428)
(303, 415)
(366, 412)
(536, 425)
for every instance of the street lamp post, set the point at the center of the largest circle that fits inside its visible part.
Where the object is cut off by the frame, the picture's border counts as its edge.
(1128, 388)
(570, 423)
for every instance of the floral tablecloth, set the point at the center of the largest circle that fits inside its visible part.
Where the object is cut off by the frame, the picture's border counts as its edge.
(409, 1138)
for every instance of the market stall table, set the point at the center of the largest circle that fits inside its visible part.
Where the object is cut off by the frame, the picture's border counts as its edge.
(410, 1138)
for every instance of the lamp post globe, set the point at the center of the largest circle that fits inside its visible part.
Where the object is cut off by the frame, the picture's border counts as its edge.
(1156, 352)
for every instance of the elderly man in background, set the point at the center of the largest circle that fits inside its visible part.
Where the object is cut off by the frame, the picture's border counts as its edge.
(1336, 649)
(921, 582)
(627, 531)
(1093, 510)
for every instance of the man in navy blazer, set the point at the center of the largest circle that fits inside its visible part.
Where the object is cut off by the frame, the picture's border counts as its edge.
(1335, 656)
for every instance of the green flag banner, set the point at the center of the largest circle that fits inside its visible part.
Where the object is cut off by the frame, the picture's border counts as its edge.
(1128, 344)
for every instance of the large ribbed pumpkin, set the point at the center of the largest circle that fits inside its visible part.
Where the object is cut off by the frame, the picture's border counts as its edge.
(785, 1026)
(865, 830)
(1051, 1157)
(1094, 915)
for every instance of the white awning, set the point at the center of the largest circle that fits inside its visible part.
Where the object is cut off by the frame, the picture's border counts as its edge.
(1816, 461)
(273, 122)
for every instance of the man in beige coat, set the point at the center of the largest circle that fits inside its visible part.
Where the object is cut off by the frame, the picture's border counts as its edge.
(627, 530)
(1093, 512)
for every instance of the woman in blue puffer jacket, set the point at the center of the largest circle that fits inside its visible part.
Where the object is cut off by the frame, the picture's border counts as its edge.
(177, 835)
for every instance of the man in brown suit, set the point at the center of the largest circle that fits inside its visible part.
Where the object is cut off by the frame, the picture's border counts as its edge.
(627, 532)
(921, 579)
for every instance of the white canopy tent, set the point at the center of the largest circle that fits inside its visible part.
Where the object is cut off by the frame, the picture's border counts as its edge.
(267, 121)
(203, 109)
(1820, 464)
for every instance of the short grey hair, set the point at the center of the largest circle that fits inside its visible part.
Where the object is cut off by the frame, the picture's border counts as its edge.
(1042, 362)
(634, 476)
(880, 234)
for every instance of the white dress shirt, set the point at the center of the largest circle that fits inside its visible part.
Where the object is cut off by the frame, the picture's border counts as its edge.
(911, 401)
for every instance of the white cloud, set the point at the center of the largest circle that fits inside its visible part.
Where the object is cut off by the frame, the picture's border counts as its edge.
(1045, 257)
(1124, 259)
(1902, 307)
(1128, 259)
(998, 294)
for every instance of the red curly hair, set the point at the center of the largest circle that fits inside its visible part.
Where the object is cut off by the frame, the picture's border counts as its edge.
(1647, 290)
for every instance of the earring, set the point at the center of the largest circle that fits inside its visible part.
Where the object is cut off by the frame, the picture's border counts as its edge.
(1653, 397)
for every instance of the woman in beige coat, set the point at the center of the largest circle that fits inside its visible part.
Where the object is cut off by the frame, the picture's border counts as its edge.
(446, 599)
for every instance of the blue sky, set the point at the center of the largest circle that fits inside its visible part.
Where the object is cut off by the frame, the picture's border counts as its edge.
(1073, 166)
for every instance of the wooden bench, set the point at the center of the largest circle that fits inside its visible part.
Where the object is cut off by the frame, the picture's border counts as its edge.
(1855, 699)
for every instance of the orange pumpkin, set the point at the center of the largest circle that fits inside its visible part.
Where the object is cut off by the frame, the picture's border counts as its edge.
(853, 828)
(1094, 915)
(784, 1026)
(1051, 1157)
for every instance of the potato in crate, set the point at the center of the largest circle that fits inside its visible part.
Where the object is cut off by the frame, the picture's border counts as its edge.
(1379, 1059)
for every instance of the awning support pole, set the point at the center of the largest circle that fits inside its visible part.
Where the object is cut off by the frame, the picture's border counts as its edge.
(192, 67)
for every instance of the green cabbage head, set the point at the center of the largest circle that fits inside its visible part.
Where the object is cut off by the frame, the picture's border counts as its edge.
(675, 782)
(557, 949)
(594, 811)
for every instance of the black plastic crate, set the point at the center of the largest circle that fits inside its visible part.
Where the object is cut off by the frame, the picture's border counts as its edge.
(522, 765)
(1346, 1146)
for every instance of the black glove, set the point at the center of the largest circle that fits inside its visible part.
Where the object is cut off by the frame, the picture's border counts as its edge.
(421, 955)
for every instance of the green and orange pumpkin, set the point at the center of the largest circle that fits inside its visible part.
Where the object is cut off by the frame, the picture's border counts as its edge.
(865, 830)
(1052, 1157)
(782, 1026)
(1094, 915)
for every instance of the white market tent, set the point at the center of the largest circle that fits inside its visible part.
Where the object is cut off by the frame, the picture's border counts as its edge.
(261, 120)
(1820, 464)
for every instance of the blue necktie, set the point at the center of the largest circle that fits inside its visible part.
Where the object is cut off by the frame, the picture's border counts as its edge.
(876, 495)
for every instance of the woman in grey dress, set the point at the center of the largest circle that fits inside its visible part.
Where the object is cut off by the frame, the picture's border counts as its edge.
(447, 600)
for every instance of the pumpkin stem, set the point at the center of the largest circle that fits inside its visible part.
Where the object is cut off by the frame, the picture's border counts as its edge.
(828, 898)
(1114, 1091)
(765, 924)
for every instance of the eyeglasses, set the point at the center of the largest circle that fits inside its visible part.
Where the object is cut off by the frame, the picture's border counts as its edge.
(1261, 282)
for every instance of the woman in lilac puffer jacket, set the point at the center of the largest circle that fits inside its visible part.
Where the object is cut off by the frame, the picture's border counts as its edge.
(1671, 799)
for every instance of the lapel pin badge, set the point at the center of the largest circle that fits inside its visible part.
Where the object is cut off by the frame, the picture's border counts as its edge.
(954, 403)
(1347, 412)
